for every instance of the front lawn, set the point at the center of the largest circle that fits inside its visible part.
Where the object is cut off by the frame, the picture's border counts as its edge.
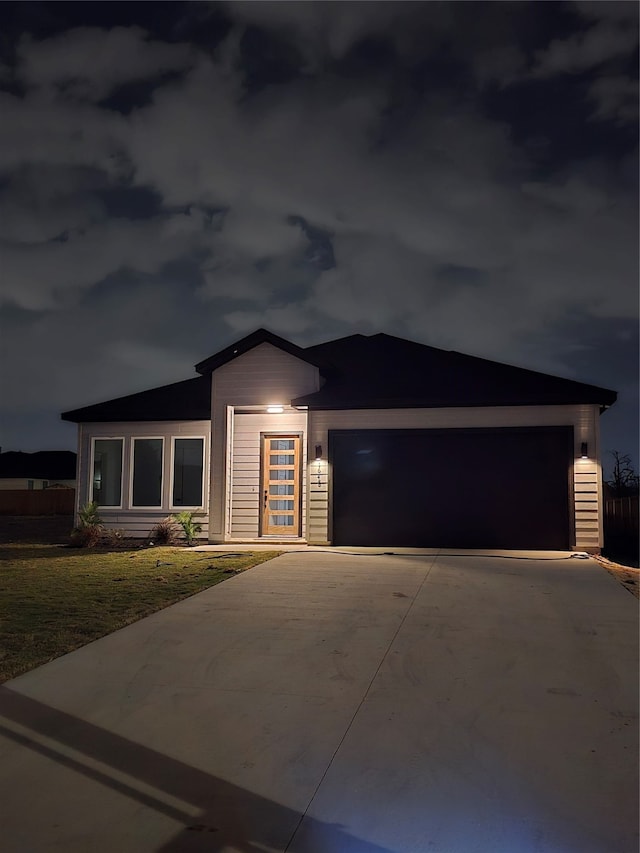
(54, 599)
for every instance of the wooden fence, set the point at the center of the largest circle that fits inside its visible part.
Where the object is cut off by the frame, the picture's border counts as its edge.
(621, 516)
(37, 502)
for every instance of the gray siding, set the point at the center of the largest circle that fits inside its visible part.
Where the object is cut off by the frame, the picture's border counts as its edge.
(246, 487)
(584, 419)
(132, 521)
(267, 375)
(264, 375)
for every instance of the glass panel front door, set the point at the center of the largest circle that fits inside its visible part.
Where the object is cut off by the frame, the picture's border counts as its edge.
(281, 485)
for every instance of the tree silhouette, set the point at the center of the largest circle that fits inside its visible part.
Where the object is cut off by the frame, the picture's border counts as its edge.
(624, 480)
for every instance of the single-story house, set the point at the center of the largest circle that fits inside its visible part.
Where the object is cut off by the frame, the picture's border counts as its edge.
(364, 440)
(44, 469)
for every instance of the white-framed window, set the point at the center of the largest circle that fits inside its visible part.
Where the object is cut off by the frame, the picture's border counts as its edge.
(106, 471)
(187, 472)
(147, 458)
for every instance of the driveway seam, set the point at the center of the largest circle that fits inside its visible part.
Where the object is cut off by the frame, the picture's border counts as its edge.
(363, 700)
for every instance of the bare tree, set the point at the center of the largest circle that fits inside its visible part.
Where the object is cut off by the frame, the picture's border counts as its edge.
(624, 480)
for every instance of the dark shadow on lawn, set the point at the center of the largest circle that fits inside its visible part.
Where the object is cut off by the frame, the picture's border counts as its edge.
(34, 530)
(36, 551)
(21, 551)
(229, 816)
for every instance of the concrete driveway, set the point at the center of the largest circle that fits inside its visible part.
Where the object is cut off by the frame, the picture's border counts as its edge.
(327, 703)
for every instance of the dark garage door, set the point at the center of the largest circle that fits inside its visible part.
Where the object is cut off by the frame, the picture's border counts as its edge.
(466, 488)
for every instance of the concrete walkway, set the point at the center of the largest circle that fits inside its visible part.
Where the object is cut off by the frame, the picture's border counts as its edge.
(327, 703)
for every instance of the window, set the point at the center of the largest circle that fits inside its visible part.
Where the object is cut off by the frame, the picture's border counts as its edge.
(282, 490)
(45, 484)
(106, 484)
(188, 455)
(30, 484)
(281, 444)
(147, 472)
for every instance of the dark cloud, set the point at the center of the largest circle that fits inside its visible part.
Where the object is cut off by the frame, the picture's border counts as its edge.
(89, 62)
(462, 174)
(592, 48)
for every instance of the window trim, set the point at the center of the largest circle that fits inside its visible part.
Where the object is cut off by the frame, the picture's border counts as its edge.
(95, 438)
(132, 449)
(175, 438)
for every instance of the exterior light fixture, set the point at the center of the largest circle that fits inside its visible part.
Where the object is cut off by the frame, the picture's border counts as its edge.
(318, 452)
(275, 410)
(584, 450)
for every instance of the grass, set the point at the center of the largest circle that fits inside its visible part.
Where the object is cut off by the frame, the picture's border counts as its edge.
(628, 576)
(54, 599)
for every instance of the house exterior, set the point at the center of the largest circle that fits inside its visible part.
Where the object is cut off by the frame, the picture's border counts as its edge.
(44, 469)
(365, 440)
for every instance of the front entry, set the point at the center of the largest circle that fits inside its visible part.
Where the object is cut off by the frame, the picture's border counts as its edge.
(281, 495)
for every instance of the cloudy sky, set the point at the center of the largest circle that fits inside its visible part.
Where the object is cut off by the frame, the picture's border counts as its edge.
(175, 175)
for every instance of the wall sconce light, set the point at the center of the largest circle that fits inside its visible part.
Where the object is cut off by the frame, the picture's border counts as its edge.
(584, 450)
(275, 410)
(318, 452)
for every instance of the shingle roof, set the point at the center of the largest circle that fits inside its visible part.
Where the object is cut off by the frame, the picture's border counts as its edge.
(42, 465)
(260, 336)
(383, 371)
(377, 371)
(189, 400)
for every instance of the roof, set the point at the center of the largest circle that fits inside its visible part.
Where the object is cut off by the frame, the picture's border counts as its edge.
(189, 400)
(383, 371)
(360, 372)
(42, 465)
(260, 336)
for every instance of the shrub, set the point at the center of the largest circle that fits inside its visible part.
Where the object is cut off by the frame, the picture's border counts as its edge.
(90, 530)
(165, 532)
(189, 527)
(87, 536)
(111, 537)
(88, 515)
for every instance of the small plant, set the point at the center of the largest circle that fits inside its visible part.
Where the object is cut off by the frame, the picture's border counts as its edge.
(87, 537)
(112, 538)
(189, 527)
(90, 530)
(88, 515)
(165, 532)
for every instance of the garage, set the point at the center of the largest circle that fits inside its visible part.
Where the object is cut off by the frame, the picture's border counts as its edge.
(453, 488)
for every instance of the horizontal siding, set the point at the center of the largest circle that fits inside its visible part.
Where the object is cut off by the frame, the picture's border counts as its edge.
(246, 487)
(580, 417)
(140, 525)
(264, 375)
(587, 482)
(135, 522)
(586, 485)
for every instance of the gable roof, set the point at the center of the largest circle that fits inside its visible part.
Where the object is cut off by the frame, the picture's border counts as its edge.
(260, 336)
(41, 465)
(383, 371)
(360, 372)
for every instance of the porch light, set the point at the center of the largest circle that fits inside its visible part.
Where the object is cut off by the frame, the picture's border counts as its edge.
(318, 452)
(584, 450)
(275, 410)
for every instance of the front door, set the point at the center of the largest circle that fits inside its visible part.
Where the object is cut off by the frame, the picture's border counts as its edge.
(280, 485)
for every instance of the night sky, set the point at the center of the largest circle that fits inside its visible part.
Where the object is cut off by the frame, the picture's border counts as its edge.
(175, 175)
